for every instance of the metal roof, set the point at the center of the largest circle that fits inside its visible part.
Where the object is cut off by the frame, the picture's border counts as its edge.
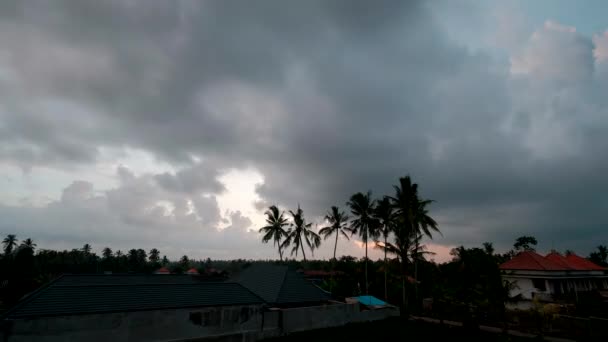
(76, 295)
(280, 285)
(124, 279)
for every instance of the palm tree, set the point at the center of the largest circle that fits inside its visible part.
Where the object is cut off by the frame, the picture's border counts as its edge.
(29, 243)
(364, 223)
(300, 233)
(275, 230)
(412, 218)
(107, 253)
(154, 255)
(423, 225)
(86, 249)
(9, 242)
(338, 225)
(385, 216)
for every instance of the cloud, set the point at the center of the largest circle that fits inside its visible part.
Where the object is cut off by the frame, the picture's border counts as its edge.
(322, 99)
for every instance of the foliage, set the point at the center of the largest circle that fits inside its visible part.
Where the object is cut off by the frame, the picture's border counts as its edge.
(338, 225)
(301, 233)
(364, 223)
(600, 256)
(275, 228)
(525, 243)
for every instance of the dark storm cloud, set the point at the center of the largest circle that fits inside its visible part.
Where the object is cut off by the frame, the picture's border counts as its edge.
(324, 98)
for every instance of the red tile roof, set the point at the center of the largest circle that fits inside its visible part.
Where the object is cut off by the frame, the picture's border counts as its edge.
(163, 270)
(532, 261)
(560, 259)
(582, 263)
(192, 271)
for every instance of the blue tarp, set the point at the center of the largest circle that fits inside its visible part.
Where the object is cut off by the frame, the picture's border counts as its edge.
(370, 300)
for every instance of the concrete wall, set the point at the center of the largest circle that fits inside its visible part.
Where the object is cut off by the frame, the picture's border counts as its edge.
(316, 317)
(161, 325)
(238, 323)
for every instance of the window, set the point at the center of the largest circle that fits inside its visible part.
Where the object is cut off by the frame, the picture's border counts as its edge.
(539, 284)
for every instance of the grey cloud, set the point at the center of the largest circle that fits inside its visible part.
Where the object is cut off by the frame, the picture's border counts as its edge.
(323, 98)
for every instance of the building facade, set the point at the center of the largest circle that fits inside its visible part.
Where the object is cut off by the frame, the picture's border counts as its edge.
(552, 277)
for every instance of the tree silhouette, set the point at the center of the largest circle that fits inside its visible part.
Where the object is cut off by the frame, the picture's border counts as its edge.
(86, 249)
(164, 261)
(600, 256)
(184, 262)
(525, 243)
(275, 228)
(385, 216)
(338, 225)
(9, 242)
(29, 243)
(300, 233)
(488, 247)
(106, 253)
(364, 223)
(154, 255)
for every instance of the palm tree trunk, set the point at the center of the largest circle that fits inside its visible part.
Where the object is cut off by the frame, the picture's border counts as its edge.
(331, 283)
(303, 253)
(280, 253)
(403, 284)
(416, 270)
(385, 270)
(366, 282)
(336, 245)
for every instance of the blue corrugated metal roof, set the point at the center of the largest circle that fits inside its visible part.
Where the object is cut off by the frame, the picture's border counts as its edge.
(371, 301)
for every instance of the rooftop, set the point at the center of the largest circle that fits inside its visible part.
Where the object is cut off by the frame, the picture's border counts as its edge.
(532, 261)
(279, 285)
(89, 294)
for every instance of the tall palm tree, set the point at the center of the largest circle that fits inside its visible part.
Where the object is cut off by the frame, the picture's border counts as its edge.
(364, 223)
(29, 243)
(9, 242)
(154, 255)
(385, 216)
(412, 217)
(404, 201)
(275, 228)
(300, 233)
(107, 253)
(338, 221)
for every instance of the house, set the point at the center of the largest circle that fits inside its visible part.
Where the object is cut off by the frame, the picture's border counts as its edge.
(553, 276)
(132, 308)
(262, 301)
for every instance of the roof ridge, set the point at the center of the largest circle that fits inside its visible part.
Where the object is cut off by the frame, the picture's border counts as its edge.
(247, 289)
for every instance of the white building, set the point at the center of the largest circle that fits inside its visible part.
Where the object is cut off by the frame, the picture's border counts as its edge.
(552, 276)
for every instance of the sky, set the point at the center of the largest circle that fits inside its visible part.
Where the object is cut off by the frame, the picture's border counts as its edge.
(174, 124)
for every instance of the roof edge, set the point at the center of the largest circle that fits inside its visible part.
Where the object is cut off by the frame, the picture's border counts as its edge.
(29, 297)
